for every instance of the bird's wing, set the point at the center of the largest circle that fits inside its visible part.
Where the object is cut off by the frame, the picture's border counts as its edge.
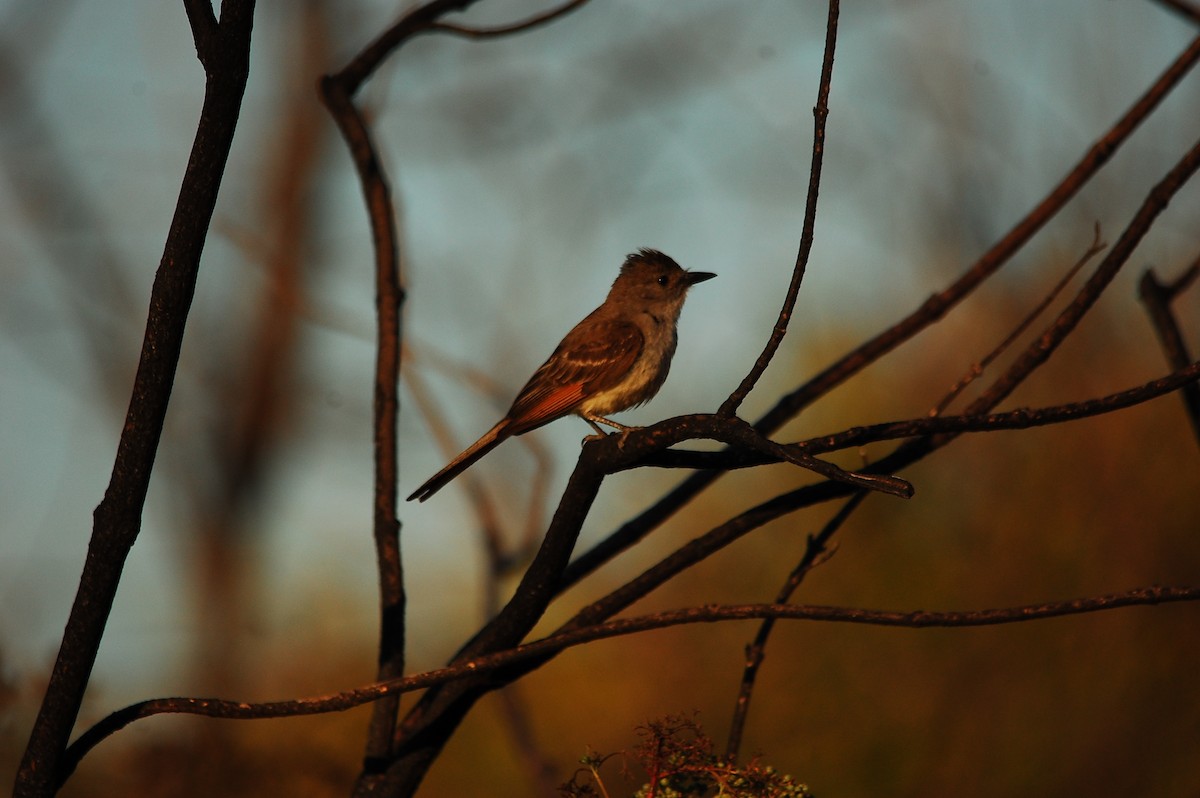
(594, 357)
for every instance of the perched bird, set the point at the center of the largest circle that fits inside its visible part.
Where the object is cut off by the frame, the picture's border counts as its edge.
(615, 359)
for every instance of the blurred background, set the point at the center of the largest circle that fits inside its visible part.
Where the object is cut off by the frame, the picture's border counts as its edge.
(524, 170)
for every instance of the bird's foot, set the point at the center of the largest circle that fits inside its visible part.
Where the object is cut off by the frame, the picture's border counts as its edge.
(601, 434)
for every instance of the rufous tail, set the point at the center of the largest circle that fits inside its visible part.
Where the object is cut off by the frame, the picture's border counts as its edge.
(490, 440)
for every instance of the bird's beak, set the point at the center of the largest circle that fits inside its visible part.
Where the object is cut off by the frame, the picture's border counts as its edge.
(698, 277)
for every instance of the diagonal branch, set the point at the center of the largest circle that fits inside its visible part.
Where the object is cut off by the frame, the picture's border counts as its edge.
(977, 370)
(117, 520)
(1038, 352)
(1157, 298)
(757, 649)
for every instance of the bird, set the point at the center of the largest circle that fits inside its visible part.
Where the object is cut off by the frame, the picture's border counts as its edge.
(615, 359)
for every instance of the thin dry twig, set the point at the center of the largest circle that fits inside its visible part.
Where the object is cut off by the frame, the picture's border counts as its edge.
(536, 21)
(473, 668)
(1021, 418)
(1040, 350)
(757, 649)
(820, 114)
(977, 370)
(389, 299)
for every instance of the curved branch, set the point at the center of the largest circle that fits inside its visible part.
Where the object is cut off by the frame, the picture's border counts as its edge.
(389, 299)
(536, 21)
(820, 114)
(549, 646)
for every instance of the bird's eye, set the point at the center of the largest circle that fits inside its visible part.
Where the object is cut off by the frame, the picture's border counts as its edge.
(663, 280)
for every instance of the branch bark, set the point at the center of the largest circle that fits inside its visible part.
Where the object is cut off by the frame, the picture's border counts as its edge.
(543, 649)
(224, 50)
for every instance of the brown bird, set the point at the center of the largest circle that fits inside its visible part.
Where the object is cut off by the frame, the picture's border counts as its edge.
(615, 359)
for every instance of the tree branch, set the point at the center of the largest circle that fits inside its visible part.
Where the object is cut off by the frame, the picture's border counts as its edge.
(820, 113)
(225, 56)
(757, 649)
(1157, 298)
(1021, 418)
(472, 669)
(536, 21)
(389, 298)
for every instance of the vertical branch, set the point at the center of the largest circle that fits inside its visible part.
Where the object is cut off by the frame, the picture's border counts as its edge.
(820, 113)
(388, 299)
(337, 92)
(224, 50)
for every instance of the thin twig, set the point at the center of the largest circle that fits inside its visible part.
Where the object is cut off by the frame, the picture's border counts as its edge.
(413, 22)
(1040, 350)
(1021, 418)
(820, 114)
(389, 299)
(757, 649)
(977, 370)
(936, 306)
(738, 433)
(536, 21)
(549, 646)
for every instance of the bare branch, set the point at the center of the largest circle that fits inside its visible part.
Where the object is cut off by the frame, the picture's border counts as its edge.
(1022, 418)
(533, 22)
(820, 114)
(1157, 298)
(203, 22)
(757, 649)
(1001, 252)
(978, 369)
(412, 23)
(117, 519)
(1038, 352)
(474, 668)
(389, 295)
